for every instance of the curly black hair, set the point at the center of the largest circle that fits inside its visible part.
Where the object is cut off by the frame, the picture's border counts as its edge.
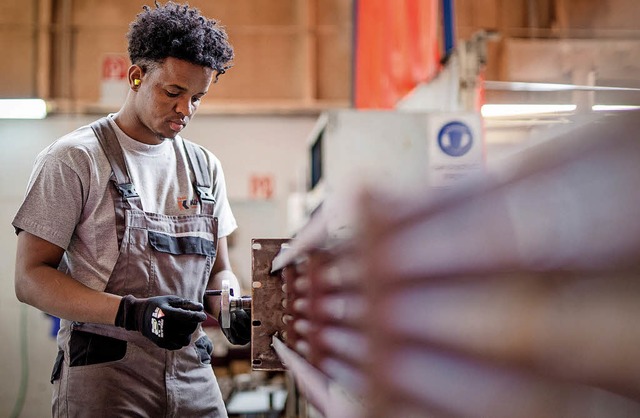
(178, 31)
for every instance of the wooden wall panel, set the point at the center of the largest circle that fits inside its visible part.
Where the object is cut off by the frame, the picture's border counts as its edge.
(599, 15)
(265, 67)
(228, 12)
(99, 28)
(620, 15)
(299, 51)
(17, 66)
(335, 13)
(16, 12)
(19, 54)
(334, 65)
(250, 12)
(611, 59)
(90, 45)
(267, 36)
(334, 49)
(474, 15)
(96, 13)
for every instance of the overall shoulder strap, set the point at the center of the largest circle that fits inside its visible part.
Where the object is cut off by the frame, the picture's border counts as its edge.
(122, 191)
(200, 168)
(111, 147)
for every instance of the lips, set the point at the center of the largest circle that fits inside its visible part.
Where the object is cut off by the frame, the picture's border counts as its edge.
(176, 126)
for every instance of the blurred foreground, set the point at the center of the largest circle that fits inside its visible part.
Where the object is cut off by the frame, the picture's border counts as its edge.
(514, 296)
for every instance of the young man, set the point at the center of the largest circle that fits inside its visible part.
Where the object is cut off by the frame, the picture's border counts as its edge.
(123, 228)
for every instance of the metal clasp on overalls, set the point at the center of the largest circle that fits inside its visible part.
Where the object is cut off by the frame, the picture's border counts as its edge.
(204, 194)
(127, 190)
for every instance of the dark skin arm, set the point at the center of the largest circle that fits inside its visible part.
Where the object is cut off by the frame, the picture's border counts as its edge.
(39, 284)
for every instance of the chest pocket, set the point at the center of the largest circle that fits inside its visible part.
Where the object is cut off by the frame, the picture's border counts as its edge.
(183, 244)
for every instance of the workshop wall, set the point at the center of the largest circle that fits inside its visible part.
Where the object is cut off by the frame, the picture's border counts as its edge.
(294, 52)
(289, 53)
(18, 66)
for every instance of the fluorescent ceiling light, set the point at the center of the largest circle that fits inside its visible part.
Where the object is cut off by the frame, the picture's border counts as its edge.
(497, 110)
(598, 108)
(23, 109)
(528, 86)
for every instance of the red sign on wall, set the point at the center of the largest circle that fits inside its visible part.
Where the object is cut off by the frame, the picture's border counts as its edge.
(114, 67)
(261, 186)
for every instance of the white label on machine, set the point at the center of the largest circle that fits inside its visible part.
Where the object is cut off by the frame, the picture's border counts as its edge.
(456, 147)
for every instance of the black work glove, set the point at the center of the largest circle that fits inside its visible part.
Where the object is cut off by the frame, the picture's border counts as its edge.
(168, 321)
(239, 332)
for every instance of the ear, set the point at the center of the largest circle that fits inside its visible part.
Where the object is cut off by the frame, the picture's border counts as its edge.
(135, 75)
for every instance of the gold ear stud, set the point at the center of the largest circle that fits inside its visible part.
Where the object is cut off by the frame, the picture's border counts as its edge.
(136, 82)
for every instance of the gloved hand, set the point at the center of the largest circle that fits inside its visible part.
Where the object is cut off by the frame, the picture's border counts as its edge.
(168, 321)
(239, 333)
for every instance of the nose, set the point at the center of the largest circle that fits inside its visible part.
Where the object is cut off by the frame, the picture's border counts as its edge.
(185, 107)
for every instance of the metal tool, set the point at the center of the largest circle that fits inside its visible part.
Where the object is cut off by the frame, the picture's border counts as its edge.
(229, 303)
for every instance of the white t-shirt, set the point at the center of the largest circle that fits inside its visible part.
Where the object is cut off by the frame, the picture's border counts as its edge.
(69, 203)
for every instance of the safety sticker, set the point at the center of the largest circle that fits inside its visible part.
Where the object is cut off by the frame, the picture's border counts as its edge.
(455, 139)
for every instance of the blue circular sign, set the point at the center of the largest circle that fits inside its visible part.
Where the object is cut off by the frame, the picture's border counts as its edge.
(455, 139)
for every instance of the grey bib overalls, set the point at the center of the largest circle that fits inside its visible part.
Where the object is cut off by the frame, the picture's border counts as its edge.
(105, 371)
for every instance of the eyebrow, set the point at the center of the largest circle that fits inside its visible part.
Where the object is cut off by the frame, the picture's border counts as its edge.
(177, 87)
(185, 89)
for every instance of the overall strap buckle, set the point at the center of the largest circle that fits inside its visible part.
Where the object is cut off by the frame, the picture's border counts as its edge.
(127, 190)
(204, 194)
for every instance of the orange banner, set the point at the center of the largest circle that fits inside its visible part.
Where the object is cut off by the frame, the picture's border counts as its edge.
(396, 48)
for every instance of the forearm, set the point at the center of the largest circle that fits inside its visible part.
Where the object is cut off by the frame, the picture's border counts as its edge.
(39, 284)
(60, 295)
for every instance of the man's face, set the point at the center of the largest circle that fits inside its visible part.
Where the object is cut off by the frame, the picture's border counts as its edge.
(169, 96)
